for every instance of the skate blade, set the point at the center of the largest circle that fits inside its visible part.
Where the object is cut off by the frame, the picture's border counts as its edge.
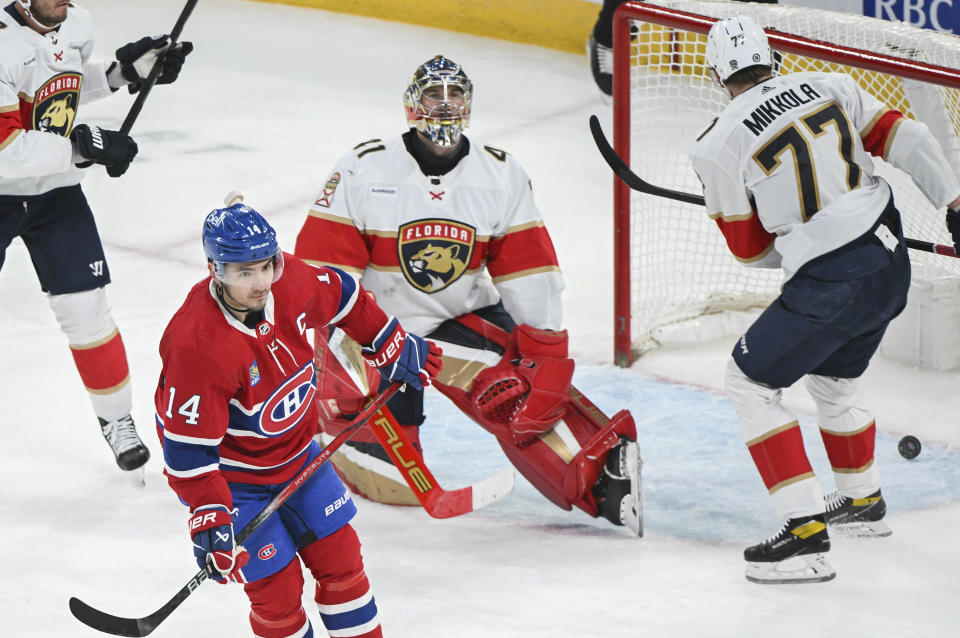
(862, 529)
(809, 568)
(631, 512)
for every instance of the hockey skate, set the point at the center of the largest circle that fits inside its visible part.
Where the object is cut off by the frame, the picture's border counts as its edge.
(128, 449)
(601, 65)
(619, 489)
(861, 517)
(795, 554)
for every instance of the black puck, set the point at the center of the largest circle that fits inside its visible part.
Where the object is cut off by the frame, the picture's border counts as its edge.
(909, 447)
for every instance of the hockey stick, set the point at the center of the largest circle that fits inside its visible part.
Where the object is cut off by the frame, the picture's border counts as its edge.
(119, 626)
(637, 183)
(145, 89)
(152, 78)
(438, 502)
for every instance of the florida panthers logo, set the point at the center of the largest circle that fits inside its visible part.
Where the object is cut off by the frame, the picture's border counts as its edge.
(55, 104)
(434, 253)
(289, 403)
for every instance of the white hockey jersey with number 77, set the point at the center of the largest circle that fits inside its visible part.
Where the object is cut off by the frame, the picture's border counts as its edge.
(787, 172)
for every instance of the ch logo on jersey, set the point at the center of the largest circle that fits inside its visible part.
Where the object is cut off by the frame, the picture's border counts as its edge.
(267, 552)
(326, 197)
(289, 403)
(55, 104)
(434, 253)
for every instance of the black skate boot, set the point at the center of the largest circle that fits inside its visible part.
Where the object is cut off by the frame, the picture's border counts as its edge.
(601, 64)
(795, 554)
(619, 489)
(127, 447)
(857, 516)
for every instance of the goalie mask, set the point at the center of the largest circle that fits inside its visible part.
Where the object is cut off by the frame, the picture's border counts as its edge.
(437, 101)
(734, 44)
(240, 235)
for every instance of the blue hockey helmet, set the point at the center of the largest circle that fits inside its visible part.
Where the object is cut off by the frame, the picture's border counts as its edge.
(239, 234)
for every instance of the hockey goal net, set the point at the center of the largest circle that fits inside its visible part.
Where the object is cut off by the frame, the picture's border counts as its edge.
(675, 280)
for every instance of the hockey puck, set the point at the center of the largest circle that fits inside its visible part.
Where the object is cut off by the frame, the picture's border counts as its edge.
(909, 447)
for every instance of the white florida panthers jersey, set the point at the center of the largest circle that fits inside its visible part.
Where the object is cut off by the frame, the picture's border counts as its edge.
(43, 80)
(787, 171)
(435, 247)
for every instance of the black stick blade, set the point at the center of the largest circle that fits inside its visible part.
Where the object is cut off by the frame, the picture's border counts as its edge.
(106, 623)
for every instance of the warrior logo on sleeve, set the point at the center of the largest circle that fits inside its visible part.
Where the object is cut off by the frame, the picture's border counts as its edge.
(55, 104)
(434, 253)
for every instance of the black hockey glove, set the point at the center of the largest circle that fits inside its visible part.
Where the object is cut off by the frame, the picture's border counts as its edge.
(137, 59)
(110, 148)
(953, 225)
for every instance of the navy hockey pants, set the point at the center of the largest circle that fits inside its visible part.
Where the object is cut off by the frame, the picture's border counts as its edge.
(831, 315)
(60, 233)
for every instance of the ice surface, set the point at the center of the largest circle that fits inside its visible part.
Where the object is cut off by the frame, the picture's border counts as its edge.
(268, 101)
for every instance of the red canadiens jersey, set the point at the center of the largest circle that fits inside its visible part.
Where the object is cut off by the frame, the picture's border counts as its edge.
(435, 247)
(236, 404)
(43, 80)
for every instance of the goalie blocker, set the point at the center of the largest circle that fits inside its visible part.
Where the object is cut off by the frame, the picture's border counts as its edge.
(515, 382)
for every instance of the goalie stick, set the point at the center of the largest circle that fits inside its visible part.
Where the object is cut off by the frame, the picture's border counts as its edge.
(408, 461)
(438, 502)
(119, 626)
(637, 183)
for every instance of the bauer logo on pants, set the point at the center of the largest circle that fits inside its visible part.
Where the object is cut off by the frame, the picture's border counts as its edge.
(55, 104)
(434, 253)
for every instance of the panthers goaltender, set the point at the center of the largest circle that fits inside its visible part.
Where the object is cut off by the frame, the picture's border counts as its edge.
(445, 233)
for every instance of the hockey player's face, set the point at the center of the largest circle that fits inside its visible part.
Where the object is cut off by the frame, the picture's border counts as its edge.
(248, 284)
(49, 12)
(442, 102)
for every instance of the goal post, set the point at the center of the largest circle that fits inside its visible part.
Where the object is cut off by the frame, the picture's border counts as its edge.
(672, 271)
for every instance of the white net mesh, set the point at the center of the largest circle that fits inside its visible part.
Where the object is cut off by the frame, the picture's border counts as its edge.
(681, 269)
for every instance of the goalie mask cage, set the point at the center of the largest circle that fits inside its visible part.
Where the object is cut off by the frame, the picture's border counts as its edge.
(674, 278)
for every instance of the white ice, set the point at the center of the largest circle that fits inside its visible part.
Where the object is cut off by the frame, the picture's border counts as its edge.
(267, 102)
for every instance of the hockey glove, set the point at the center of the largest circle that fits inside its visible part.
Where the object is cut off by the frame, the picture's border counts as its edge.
(137, 59)
(100, 146)
(403, 357)
(211, 528)
(953, 225)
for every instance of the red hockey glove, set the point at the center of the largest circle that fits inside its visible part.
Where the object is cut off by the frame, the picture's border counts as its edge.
(211, 528)
(404, 357)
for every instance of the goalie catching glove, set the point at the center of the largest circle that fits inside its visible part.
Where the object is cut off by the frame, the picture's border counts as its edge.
(404, 357)
(211, 528)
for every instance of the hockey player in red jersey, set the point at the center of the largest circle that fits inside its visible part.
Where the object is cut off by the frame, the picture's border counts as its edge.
(237, 416)
(788, 177)
(46, 72)
(445, 232)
